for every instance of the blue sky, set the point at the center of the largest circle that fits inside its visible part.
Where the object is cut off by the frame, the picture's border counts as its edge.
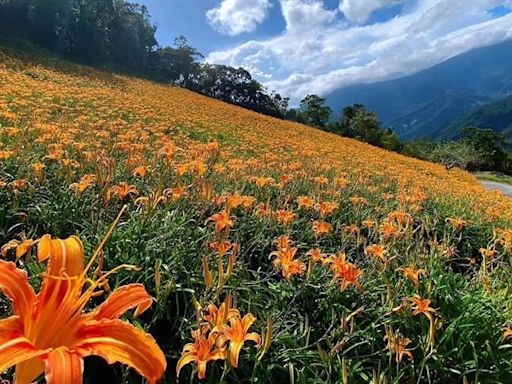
(298, 47)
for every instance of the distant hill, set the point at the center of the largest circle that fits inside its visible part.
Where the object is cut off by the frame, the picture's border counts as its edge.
(431, 115)
(437, 94)
(496, 115)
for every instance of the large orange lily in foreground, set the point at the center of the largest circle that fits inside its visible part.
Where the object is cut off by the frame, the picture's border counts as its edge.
(49, 332)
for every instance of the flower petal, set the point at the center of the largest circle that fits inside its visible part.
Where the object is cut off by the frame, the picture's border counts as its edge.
(234, 352)
(123, 299)
(66, 263)
(63, 367)
(253, 336)
(14, 284)
(119, 341)
(29, 370)
(65, 255)
(185, 359)
(14, 346)
(247, 321)
(201, 369)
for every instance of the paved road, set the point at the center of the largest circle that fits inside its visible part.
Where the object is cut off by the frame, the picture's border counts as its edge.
(503, 188)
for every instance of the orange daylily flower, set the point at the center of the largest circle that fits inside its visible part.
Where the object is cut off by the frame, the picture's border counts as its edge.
(218, 316)
(285, 261)
(4, 155)
(320, 180)
(317, 256)
(397, 344)
(357, 201)
(286, 217)
(49, 332)
(351, 229)
(305, 201)
(487, 253)
(457, 224)
(248, 201)
(321, 228)
(368, 223)
(422, 306)
(350, 275)
(222, 221)
(402, 219)
(201, 351)
(140, 171)
(237, 333)
(326, 207)
(377, 251)
(21, 247)
(263, 181)
(19, 184)
(233, 201)
(222, 247)
(347, 272)
(507, 333)
(122, 191)
(86, 181)
(412, 273)
(38, 169)
(265, 210)
(388, 230)
(283, 242)
(176, 193)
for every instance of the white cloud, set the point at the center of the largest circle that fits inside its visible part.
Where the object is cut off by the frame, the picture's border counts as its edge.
(302, 15)
(359, 11)
(320, 51)
(233, 17)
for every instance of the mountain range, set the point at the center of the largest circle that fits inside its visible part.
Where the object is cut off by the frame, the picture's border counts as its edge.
(436, 101)
(496, 115)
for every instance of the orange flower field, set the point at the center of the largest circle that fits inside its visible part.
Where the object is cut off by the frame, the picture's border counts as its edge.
(251, 249)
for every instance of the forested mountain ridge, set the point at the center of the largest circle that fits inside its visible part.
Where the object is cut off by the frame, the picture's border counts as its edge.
(496, 115)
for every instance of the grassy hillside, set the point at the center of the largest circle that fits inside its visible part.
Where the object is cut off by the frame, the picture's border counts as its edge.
(359, 265)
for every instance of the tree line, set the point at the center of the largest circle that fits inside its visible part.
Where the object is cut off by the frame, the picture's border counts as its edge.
(356, 122)
(120, 33)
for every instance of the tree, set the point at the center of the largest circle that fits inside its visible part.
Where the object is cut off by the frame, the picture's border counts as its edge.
(389, 140)
(491, 145)
(280, 104)
(132, 37)
(420, 148)
(357, 122)
(184, 57)
(459, 153)
(15, 18)
(313, 111)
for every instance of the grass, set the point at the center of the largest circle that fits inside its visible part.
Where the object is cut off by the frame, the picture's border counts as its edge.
(359, 265)
(495, 177)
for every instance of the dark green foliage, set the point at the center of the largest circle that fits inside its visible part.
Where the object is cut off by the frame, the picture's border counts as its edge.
(491, 145)
(357, 122)
(478, 150)
(364, 125)
(236, 86)
(314, 111)
(94, 32)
